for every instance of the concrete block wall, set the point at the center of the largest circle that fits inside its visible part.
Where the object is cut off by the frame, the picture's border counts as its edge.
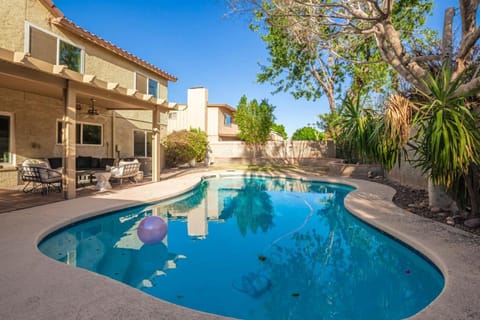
(279, 152)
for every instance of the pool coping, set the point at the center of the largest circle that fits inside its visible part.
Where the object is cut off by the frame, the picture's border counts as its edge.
(33, 286)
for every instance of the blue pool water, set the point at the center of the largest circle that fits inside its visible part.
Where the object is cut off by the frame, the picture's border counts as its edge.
(257, 248)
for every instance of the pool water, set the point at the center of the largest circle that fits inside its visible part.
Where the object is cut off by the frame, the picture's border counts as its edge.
(257, 248)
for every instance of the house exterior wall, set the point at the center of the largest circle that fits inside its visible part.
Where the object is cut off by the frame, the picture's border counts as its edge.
(129, 121)
(227, 132)
(97, 60)
(194, 114)
(35, 125)
(35, 117)
(212, 126)
(197, 101)
(199, 114)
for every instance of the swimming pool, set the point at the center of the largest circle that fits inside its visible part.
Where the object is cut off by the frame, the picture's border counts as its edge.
(257, 248)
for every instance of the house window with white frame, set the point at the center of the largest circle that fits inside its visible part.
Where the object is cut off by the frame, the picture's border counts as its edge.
(142, 143)
(86, 133)
(70, 55)
(47, 46)
(5, 138)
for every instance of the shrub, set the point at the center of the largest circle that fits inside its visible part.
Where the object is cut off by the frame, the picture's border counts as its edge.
(184, 146)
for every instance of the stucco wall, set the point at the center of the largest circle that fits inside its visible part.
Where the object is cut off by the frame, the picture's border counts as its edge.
(408, 175)
(212, 126)
(35, 125)
(98, 61)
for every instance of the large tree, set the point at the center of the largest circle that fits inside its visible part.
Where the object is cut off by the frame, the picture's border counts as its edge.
(254, 121)
(308, 134)
(323, 23)
(310, 56)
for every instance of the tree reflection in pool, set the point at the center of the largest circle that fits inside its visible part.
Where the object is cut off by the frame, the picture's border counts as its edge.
(257, 248)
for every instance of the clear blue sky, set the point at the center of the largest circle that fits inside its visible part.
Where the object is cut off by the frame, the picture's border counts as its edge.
(193, 40)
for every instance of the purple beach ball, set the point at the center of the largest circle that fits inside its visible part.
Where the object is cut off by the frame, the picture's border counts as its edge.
(152, 230)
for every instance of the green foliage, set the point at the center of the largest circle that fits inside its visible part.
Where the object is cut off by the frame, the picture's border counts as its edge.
(251, 206)
(292, 64)
(199, 142)
(328, 122)
(308, 134)
(280, 128)
(184, 146)
(448, 140)
(310, 57)
(356, 125)
(254, 120)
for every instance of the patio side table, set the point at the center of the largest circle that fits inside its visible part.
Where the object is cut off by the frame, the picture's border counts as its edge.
(103, 182)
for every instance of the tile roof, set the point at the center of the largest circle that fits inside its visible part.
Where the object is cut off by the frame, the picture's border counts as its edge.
(62, 21)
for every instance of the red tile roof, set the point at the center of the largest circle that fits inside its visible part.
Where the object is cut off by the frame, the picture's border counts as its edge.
(62, 21)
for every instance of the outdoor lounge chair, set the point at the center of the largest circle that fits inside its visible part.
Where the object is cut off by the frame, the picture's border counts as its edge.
(39, 175)
(125, 170)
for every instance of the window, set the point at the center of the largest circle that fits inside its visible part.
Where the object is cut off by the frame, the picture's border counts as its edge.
(86, 133)
(142, 143)
(70, 56)
(49, 47)
(153, 87)
(91, 134)
(5, 136)
(146, 85)
(141, 83)
(43, 46)
(227, 120)
(172, 115)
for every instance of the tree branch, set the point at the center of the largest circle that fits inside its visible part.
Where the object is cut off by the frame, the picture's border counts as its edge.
(469, 87)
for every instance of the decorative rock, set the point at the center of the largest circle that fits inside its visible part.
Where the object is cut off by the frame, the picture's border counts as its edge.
(435, 210)
(472, 223)
(450, 221)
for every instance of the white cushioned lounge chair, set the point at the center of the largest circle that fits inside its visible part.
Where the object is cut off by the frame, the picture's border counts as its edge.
(125, 170)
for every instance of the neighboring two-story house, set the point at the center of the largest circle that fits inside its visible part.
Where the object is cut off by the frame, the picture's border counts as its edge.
(217, 120)
(65, 92)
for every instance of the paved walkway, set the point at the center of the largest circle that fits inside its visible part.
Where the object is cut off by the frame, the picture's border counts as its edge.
(33, 286)
(14, 198)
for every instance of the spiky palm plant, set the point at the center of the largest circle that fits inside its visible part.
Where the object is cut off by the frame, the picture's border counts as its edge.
(448, 139)
(357, 125)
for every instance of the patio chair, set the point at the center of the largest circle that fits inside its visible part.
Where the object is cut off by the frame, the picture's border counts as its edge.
(39, 175)
(125, 170)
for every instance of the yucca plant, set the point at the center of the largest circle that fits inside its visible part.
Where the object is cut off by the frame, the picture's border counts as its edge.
(448, 139)
(357, 125)
(392, 131)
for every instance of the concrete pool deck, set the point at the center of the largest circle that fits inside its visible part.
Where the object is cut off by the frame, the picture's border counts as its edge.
(34, 286)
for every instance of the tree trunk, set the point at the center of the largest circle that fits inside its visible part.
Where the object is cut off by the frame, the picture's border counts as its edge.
(447, 40)
(473, 189)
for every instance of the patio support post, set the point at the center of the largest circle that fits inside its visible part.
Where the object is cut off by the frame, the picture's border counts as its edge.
(69, 142)
(156, 145)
